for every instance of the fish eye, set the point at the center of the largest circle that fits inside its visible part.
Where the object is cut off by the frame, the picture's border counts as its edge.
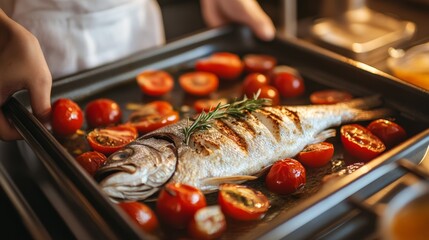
(122, 154)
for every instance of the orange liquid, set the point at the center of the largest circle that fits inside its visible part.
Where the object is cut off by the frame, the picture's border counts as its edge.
(412, 222)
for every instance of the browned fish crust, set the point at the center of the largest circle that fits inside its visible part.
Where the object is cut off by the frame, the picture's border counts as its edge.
(293, 116)
(228, 132)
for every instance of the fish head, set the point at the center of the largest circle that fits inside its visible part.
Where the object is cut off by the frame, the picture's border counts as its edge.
(138, 170)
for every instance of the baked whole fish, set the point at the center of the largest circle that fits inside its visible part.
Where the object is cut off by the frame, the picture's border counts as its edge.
(232, 150)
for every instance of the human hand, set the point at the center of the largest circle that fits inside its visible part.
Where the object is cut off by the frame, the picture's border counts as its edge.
(247, 12)
(22, 66)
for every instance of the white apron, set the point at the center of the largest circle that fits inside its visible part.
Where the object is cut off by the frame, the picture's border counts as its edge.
(81, 34)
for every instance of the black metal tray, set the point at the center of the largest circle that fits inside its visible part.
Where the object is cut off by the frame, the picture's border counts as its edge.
(288, 216)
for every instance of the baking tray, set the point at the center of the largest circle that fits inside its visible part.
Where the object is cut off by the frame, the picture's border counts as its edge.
(320, 69)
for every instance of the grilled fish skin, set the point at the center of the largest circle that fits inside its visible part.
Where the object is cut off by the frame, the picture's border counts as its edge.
(232, 150)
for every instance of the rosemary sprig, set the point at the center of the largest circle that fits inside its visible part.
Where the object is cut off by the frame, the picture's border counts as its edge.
(236, 109)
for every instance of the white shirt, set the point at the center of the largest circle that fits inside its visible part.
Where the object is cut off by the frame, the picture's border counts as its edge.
(81, 34)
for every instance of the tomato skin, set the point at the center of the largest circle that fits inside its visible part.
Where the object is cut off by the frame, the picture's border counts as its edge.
(286, 176)
(199, 83)
(330, 96)
(253, 82)
(91, 161)
(288, 81)
(390, 133)
(177, 204)
(101, 140)
(225, 65)
(66, 117)
(208, 104)
(155, 82)
(259, 63)
(102, 113)
(271, 93)
(242, 202)
(207, 223)
(152, 116)
(316, 155)
(360, 143)
(141, 214)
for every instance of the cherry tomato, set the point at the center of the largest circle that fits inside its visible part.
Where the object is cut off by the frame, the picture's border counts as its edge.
(141, 214)
(241, 202)
(152, 116)
(286, 176)
(177, 204)
(66, 117)
(110, 139)
(271, 93)
(223, 64)
(330, 96)
(91, 161)
(208, 104)
(390, 133)
(199, 83)
(155, 83)
(316, 155)
(259, 63)
(288, 81)
(207, 223)
(102, 113)
(253, 82)
(360, 143)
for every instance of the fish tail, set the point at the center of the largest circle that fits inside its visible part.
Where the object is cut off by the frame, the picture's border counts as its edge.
(364, 109)
(365, 115)
(365, 103)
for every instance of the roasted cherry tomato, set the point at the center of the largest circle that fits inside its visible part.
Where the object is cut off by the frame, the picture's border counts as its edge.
(177, 204)
(102, 113)
(288, 81)
(155, 83)
(390, 133)
(207, 223)
(259, 63)
(152, 116)
(110, 139)
(141, 214)
(66, 117)
(241, 202)
(91, 161)
(271, 93)
(330, 96)
(316, 155)
(254, 82)
(360, 143)
(223, 64)
(286, 176)
(199, 83)
(208, 104)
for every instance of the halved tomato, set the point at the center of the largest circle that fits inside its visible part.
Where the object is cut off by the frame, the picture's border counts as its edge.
(390, 133)
(152, 116)
(330, 96)
(316, 155)
(360, 142)
(199, 83)
(155, 82)
(260, 63)
(225, 65)
(208, 104)
(242, 202)
(66, 117)
(254, 82)
(91, 161)
(141, 214)
(286, 176)
(102, 113)
(177, 204)
(109, 140)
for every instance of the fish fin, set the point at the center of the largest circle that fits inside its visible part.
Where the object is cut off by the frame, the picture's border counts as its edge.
(323, 135)
(228, 179)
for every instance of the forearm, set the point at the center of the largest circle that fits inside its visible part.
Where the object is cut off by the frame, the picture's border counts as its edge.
(5, 29)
